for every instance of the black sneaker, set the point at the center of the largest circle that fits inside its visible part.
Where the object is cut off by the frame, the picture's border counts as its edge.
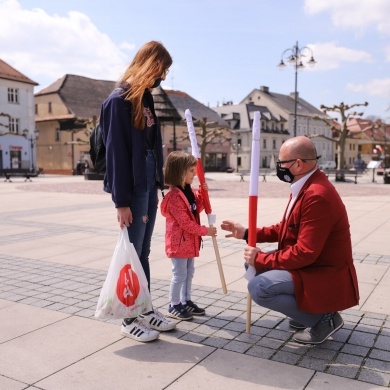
(194, 309)
(178, 312)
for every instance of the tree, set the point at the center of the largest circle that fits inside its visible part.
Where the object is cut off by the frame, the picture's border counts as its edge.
(342, 132)
(206, 133)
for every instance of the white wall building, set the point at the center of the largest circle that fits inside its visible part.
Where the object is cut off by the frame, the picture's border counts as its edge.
(17, 118)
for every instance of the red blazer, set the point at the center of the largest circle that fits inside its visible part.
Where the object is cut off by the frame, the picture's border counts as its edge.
(314, 244)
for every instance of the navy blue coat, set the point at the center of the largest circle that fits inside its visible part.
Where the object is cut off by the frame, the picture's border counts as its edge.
(125, 149)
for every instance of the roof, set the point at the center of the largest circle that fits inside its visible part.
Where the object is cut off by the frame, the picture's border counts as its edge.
(287, 103)
(83, 96)
(240, 116)
(165, 110)
(181, 101)
(9, 73)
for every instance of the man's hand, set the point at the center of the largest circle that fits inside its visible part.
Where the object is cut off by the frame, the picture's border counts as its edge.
(124, 216)
(250, 254)
(237, 230)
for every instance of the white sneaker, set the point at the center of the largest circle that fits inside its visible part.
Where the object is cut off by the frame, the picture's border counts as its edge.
(157, 321)
(139, 331)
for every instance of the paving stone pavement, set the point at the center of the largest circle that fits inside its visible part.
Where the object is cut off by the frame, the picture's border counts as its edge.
(359, 351)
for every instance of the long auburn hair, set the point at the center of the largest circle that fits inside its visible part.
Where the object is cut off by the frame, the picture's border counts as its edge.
(149, 63)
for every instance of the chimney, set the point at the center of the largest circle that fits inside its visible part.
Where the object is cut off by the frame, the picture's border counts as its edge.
(265, 89)
(292, 95)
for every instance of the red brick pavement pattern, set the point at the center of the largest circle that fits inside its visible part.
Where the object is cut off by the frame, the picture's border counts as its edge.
(219, 189)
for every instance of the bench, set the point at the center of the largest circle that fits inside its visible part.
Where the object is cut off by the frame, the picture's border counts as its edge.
(262, 172)
(26, 173)
(341, 174)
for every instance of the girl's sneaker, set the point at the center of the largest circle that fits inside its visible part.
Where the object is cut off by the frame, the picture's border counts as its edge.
(179, 312)
(194, 309)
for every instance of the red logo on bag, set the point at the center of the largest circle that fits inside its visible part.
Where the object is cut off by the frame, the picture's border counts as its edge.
(127, 287)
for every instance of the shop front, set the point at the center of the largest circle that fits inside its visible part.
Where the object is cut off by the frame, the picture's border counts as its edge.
(15, 153)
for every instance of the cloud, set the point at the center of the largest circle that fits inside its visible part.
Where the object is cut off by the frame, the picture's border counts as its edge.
(375, 87)
(354, 14)
(73, 38)
(330, 56)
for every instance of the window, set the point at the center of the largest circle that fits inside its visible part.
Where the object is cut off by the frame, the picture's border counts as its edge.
(49, 108)
(282, 126)
(13, 95)
(14, 125)
(36, 109)
(58, 135)
(274, 144)
(264, 144)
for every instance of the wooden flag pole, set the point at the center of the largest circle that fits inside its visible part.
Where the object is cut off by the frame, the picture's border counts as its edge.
(205, 194)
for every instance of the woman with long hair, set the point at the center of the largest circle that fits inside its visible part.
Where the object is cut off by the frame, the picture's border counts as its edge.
(134, 165)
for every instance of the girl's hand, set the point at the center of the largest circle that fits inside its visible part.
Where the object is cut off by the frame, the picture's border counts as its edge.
(212, 231)
(124, 216)
(205, 186)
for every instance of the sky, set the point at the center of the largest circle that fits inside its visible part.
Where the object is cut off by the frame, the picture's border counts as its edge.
(222, 49)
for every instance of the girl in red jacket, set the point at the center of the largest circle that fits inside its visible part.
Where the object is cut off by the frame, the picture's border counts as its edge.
(181, 208)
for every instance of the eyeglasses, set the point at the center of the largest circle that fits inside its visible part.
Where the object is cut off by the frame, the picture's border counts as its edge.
(279, 163)
(166, 71)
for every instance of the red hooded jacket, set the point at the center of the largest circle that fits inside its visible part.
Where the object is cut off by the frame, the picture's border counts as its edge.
(183, 230)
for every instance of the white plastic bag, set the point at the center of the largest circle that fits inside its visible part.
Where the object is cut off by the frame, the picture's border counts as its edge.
(125, 291)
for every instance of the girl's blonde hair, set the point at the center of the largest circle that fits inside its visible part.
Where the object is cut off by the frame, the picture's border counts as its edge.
(176, 167)
(149, 63)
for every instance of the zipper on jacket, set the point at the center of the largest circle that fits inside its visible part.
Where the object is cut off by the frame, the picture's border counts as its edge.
(182, 239)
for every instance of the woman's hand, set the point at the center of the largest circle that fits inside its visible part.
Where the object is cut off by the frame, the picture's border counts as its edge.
(124, 216)
(237, 230)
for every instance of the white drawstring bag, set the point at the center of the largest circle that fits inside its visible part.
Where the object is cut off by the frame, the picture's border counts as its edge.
(125, 292)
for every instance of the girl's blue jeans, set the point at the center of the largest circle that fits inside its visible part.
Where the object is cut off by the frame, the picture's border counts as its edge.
(182, 274)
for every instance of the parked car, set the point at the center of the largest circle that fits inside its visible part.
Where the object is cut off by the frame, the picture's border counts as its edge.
(328, 165)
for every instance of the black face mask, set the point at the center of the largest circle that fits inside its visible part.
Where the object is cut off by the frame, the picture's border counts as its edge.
(284, 174)
(157, 83)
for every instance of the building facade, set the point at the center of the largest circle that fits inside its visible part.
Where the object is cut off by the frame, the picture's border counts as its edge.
(240, 119)
(311, 121)
(17, 125)
(65, 112)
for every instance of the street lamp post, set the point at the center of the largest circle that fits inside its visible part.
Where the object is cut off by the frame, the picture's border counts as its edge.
(33, 140)
(294, 57)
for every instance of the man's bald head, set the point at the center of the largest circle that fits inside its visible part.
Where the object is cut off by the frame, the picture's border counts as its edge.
(299, 147)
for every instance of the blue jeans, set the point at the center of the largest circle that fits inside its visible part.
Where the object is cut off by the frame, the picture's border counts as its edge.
(275, 290)
(183, 272)
(143, 206)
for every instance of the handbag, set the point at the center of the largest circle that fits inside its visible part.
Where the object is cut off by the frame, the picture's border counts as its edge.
(125, 292)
